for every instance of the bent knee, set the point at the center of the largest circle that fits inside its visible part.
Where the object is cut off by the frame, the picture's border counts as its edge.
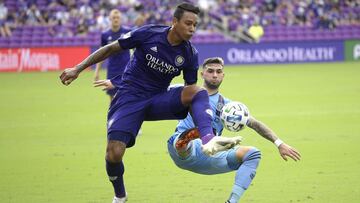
(244, 152)
(189, 93)
(115, 151)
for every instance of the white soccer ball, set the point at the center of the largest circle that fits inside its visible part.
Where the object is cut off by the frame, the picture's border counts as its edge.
(234, 116)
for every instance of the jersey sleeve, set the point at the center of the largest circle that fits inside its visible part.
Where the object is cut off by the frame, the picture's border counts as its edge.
(191, 72)
(133, 38)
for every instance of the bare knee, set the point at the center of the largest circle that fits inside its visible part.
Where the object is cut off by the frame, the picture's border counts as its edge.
(189, 92)
(115, 151)
(243, 150)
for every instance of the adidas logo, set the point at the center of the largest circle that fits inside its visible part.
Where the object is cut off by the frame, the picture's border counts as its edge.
(154, 49)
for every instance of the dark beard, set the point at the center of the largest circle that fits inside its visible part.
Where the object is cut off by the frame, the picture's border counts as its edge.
(212, 86)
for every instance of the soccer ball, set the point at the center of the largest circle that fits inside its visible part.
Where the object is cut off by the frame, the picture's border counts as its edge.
(234, 116)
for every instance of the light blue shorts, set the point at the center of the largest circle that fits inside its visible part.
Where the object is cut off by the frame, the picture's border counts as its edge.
(198, 162)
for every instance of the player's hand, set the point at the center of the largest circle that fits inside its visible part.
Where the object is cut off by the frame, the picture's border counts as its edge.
(69, 75)
(220, 143)
(104, 83)
(288, 151)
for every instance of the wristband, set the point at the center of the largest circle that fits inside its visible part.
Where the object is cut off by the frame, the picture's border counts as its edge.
(278, 142)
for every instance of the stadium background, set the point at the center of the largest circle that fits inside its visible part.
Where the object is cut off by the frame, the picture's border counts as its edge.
(301, 78)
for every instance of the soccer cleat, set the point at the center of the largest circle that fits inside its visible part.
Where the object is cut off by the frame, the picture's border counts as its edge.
(219, 143)
(119, 199)
(186, 137)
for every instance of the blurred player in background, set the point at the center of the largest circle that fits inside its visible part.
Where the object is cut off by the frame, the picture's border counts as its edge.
(116, 62)
(161, 53)
(242, 159)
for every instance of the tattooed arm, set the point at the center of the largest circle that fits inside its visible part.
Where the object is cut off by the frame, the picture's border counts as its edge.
(284, 149)
(262, 129)
(70, 74)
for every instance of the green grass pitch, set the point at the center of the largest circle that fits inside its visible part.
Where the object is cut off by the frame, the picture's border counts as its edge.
(52, 140)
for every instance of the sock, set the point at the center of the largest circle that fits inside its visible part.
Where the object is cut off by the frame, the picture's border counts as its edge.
(202, 115)
(245, 174)
(235, 196)
(115, 172)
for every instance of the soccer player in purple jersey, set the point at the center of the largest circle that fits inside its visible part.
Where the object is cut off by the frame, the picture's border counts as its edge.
(118, 61)
(161, 53)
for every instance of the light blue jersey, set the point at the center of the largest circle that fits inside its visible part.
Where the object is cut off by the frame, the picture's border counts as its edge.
(197, 161)
(217, 101)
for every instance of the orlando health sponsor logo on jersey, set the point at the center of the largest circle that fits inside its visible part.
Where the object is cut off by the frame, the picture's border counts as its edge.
(160, 65)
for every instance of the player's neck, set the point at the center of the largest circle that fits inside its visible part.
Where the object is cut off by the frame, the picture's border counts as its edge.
(211, 91)
(115, 28)
(173, 38)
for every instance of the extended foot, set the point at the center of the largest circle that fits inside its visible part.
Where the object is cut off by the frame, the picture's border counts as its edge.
(219, 143)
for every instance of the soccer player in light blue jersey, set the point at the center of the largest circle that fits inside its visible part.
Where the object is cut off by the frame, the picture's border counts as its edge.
(117, 62)
(161, 53)
(242, 159)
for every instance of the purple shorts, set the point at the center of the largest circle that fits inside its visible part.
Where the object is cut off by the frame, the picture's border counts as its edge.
(128, 111)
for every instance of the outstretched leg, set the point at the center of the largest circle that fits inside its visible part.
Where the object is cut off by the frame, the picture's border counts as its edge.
(198, 100)
(248, 158)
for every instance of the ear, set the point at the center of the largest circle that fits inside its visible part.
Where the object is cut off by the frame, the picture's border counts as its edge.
(202, 74)
(174, 21)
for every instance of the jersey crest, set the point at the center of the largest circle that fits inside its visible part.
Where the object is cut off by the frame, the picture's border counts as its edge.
(179, 60)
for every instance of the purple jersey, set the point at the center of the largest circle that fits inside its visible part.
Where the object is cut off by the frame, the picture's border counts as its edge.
(155, 61)
(117, 62)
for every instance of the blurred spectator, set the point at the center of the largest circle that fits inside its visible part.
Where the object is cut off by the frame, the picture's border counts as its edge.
(62, 15)
(82, 28)
(33, 16)
(300, 13)
(86, 10)
(102, 21)
(324, 22)
(270, 5)
(49, 21)
(4, 25)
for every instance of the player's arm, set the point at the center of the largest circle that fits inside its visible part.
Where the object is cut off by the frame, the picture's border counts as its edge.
(70, 74)
(97, 70)
(284, 149)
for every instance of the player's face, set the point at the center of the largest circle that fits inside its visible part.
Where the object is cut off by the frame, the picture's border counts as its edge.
(115, 19)
(186, 26)
(213, 75)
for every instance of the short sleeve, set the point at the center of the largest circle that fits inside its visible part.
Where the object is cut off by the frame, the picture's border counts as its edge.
(133, 38)
(191, 72)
